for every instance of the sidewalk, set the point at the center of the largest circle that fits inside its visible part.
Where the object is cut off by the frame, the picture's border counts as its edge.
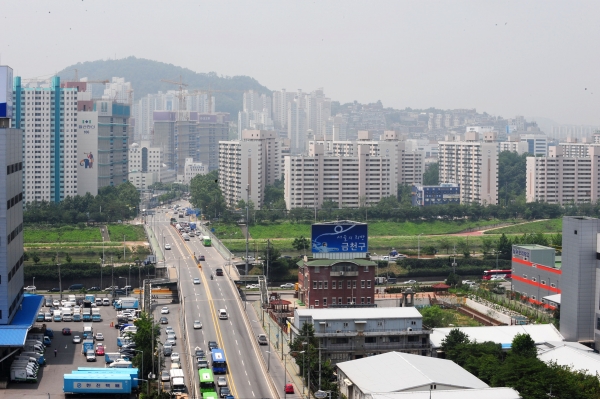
(156, 249)
(280, 343)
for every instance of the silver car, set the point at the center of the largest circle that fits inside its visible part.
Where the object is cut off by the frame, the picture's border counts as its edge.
(197, 324)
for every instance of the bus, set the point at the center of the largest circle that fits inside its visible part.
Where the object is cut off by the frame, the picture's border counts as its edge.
(219, 365)
(210, 395)
(207, 380)
(496, 274)
(206, 241)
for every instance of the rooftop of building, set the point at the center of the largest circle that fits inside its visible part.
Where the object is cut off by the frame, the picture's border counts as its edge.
(380, 373)
(15, 333)
(477, 393)
(533, 247)
(329, 262)
(360, 313)
(503, 335)
(578, 358)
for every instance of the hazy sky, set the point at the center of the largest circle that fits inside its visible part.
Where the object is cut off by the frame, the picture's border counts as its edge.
(532, 58)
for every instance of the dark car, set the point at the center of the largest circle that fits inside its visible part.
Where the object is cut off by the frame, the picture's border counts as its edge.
(66, 331)
(202, 363)
(54, 290)
(95, 289)
(224, 391)
(120, 292)
(219, 272)
(201, 257)
(212, 345)
(164, 320)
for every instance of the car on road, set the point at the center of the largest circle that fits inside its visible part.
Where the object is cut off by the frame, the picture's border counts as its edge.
(219, 272)
(100, 350)
(167, 349)
(410, 282)
(66, 331)
(120, 292)
(164, 310)
(90, 355)
(196, 280)
(167, 247)
(385, 257)
(175, 357)
(468, 282)
(197, 324)
(30, 288)
(99, 336)
(201, 363)
(221, 381)
(76, 339)
(164, 376)
(111, 288)
(262, 339)
(212, 345)
(252, 286)
(54, 290)
(94, 289)
(56, 303)
(201, 257)
(289, 388)
(164, 320)
(169, 329)
(224, 392)
(199, 353)
(287, 285)
(171, 341)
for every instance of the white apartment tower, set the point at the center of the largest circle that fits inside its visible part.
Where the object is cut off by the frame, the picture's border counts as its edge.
(296, 125)
(558, 179)
(349, 181)
(253, 162)
(47, 115)
(473, 164)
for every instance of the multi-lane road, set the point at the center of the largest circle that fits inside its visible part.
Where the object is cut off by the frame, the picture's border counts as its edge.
(247, 374)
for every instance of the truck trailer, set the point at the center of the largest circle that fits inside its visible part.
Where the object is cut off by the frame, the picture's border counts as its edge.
(87, 345)
(96, 314)
(115, 383)
(127, 303)
(132, 372)
(21, 374)
(86, 314)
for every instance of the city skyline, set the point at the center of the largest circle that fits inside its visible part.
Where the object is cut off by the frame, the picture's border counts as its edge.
(493, 57)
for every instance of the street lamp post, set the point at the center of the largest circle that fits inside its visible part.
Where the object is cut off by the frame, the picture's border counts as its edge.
(147, 383)
(419, 246)
(126, 285)
(33, 282)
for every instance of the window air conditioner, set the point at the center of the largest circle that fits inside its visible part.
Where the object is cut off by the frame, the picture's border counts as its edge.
(409, 329)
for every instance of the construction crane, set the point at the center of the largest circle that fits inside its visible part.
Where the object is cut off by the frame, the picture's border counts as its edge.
(181, 85)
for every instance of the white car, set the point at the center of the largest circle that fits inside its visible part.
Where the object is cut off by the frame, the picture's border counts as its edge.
(76, 339)
(55, 303)
(287, 285)
(169, 330)
(99, 336)
(171, 335)
(167, 246)
(171, 341)
(410, 282)
(385, 257)
(196, 280)
(175, 357)
(164, 310)
(252, 286)
(197, 324)
(221, 381)
(30, 288)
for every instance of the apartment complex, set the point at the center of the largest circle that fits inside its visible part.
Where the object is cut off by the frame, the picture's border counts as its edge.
(473, 165)
(47, 115)
(193, 169)
(558, 179)
(349, 181)
(520, 147)
(251, 163)
(354, 333)
(11, 194)
(145, 164)
(256, 113)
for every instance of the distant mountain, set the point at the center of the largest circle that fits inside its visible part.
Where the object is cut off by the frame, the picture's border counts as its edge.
(145, 76)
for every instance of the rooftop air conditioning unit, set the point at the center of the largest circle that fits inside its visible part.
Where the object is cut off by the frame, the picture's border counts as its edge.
(409, 329)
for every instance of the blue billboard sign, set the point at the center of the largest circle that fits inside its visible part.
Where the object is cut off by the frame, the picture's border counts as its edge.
(339, 238)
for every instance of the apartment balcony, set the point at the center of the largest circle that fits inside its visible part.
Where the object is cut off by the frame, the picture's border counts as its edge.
(380, 346)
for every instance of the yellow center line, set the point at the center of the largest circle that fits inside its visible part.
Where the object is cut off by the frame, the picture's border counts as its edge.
(213, 313)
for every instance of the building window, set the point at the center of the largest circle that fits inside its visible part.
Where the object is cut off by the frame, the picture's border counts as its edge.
(349, 284)
(340, 284)
(316, 303)
(362, 283)
(317, 269)
(348, 301)
(333, 285)
(332, 302)
(368, 283)
(324, 302)
(320, 285)
(314, 285)
(368, 300)
(340, 340)
(362, 300)
(345, 324)
(353, 283)
(366, 269)
(325, 284)
(370, 340)
(597, 323)
(354, 300)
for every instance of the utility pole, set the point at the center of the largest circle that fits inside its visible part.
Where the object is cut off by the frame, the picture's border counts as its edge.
(268, 244)
(247, 225)
(59, 279)
(123, 247)
(112, 269)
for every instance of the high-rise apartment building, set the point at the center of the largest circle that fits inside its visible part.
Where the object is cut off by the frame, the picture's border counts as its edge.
(473, 165)
(11, 194)
(296, 125)
(349, 181)
(537, 142)
(253, 162)
(118, 91)
(47, 115)
(558, 179)
(256, 113)
(280, 108)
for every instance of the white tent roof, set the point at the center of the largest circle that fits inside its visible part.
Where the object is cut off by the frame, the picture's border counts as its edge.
(571, 356)
(487, 393)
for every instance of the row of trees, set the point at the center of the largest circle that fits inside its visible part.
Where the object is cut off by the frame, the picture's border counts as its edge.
(519, 368)
(111, 204)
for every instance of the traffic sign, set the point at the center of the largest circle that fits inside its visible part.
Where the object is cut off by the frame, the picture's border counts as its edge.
(320, 394)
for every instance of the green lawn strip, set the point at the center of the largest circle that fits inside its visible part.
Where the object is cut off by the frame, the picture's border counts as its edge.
(72, 245)
(544, 226)
(38, 234)
(132, 232)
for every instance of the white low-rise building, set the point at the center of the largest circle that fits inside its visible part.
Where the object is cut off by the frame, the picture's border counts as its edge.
(193, 169)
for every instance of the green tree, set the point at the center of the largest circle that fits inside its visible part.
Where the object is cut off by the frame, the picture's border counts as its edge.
(523, 345)
(445, 244)
(486, 245)
(405, 194)
(453, 279)
(277, 266)
(504, 247)
(273, 193)
(36, 258)
(434, 316)
(68, 258)
(431, 177)
(146, 338)
(454, 339)
(301, 244)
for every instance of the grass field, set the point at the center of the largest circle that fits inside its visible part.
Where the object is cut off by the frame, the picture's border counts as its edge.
(376, 229)
(39, 234)
(544, 226)
(132, 232)
(461, 320)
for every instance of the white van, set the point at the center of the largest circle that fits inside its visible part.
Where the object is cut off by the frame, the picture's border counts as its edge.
(121, 364)
(222, 314)
(129, 329)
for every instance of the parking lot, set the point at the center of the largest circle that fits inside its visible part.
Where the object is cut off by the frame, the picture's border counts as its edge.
(69, 356)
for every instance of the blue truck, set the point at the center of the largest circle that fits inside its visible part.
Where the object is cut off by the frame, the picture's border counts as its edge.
(86, 345)
(95, 383)
(131, 372)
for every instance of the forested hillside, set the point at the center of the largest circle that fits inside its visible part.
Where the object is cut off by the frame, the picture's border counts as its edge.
(145, 76)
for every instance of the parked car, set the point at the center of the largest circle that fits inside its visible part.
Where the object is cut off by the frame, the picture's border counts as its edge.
(262, 339)
(164, 320)
(288, 285)
(175, 357)
(76, 339)
(197, 324)
(164, 310)
(56, 303)
(164, 376)
(48, 302)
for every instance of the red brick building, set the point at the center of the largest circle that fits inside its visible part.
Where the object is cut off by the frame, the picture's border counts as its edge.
(324, 283)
